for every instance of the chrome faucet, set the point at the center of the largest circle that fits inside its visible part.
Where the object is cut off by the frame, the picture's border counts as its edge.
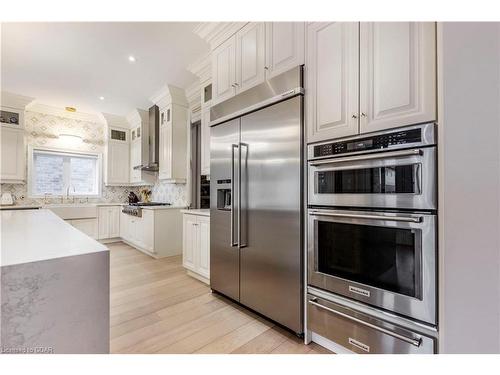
(67, 194)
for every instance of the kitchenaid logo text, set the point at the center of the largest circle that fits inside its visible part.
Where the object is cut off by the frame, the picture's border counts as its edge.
(356, 290)
(359, 345)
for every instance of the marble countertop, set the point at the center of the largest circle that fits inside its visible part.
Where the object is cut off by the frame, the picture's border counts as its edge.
(36, 235)
(197, 211)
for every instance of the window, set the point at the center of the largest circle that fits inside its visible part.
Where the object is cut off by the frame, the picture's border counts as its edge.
(57, 173)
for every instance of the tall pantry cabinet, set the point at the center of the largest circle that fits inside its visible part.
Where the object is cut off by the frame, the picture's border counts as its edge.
(364, 77)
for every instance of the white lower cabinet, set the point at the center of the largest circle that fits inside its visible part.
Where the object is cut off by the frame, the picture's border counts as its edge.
(108, 218)
(87, 226)
(196, 245)
(158, 232)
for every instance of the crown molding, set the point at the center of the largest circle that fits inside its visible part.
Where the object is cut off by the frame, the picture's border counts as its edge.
(56, 111)
(202, 68)
(169, 94)
(215, 33)
(137, 117)
(11, 100)
(115, 120)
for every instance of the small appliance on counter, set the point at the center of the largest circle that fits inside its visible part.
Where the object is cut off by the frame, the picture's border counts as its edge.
(132, 197)
(6, 199)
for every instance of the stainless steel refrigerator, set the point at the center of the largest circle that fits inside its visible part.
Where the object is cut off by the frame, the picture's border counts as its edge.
(256, 199)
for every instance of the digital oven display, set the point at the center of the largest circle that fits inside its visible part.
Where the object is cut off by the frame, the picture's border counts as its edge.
(360, 145)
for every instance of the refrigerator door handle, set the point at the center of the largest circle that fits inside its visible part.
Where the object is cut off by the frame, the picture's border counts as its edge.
(241, 235)
(233, 146)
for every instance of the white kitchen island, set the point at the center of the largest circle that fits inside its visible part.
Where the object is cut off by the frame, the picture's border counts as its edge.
(54, 286)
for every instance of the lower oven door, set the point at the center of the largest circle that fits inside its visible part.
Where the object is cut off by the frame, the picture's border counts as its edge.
(392, 179)
(384, 259)
(362, 333)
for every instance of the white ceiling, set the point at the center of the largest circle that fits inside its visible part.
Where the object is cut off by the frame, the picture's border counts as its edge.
(73, 64)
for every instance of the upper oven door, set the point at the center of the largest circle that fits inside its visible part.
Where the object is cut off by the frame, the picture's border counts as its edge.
(392, 179)
(383, 259)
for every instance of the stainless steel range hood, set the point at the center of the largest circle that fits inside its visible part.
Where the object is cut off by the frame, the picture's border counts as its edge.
(154, 140)
(149, 130)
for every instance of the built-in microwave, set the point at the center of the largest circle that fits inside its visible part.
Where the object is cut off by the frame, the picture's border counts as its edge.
(392, 169)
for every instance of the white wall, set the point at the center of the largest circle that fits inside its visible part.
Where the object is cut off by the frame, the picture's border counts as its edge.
(469, 207)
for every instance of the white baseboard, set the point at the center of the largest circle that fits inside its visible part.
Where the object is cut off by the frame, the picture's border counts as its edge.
(198, 277)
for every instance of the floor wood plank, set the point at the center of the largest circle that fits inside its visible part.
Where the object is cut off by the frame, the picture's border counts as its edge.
(157, 308)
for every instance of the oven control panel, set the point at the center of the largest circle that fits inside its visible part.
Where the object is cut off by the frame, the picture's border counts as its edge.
(375, 142)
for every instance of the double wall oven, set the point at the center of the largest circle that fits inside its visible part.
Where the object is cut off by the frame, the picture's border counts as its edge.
(372, 203)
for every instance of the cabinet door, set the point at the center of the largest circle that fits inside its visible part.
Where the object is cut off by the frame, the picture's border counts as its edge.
(250, 56)
(332, 73)
(118, 162)
(165, 168)
(203, 266)
(103, 219)
(284, 46)
(223, 70)
(147, 230)
(124, 226)
(135, 231)
(397, 74)
(205, 141)
(189, 242)
(13, 155)
(135, 160)
(114, 222)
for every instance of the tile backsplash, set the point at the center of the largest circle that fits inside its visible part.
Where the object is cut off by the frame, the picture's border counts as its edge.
(43, 129)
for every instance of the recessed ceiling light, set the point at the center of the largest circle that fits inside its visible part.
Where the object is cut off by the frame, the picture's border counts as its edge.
(101, 98)
(131, 58)
(71, 109)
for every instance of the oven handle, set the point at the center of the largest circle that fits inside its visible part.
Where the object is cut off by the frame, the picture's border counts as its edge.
(371, 217)
(383, 155)
(415, 342)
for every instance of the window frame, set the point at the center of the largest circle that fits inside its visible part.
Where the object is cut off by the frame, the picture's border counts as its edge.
(67, 152)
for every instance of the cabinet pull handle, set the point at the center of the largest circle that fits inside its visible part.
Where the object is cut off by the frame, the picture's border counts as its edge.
(354, 116)
(236, 84)
(363, 114)
(266, 68)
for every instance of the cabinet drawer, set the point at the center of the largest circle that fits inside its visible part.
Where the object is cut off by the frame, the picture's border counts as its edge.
(361, 333)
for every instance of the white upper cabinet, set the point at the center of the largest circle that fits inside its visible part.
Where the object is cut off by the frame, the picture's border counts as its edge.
(284, 47)
(397, 74)
(250, 56)
(224, 71)
(173, 144)
(117, 157)
(371, 76)
(165, 144)
(13, 154)
(239, 63)
(135, 161)
(332, 71)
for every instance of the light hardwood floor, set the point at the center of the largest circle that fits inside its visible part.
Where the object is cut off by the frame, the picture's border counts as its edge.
(157, 308)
